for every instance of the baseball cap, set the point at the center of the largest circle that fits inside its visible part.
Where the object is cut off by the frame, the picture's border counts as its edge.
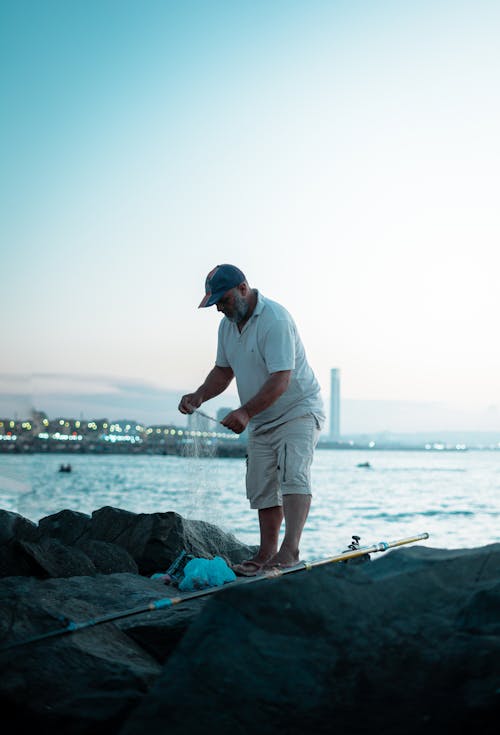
(220, 280)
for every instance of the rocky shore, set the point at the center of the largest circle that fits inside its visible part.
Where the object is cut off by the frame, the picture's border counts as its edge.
(406, 642)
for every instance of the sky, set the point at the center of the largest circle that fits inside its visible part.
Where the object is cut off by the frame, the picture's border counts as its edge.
(345, 155)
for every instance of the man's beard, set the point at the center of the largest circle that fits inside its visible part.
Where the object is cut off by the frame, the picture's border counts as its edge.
(240, 309)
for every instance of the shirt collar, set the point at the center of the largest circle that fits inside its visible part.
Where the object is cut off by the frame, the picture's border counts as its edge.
(259, 305)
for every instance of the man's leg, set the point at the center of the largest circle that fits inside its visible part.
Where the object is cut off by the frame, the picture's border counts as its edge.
(270, 520)
(264, 494)
(299, 438)
(295, 511)
(284, 457)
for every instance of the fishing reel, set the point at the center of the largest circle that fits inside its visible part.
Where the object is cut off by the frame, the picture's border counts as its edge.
(176, 569)
(354, 546)
(175, 572)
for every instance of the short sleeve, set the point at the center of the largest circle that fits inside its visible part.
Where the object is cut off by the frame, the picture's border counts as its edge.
(221, 358)
(279, 346)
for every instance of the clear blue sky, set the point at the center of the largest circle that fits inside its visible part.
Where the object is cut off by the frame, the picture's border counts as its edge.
(344, 154)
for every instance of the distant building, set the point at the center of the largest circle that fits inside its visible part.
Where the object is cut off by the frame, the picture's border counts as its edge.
(334, 404)
(197, 422)
(39, 421)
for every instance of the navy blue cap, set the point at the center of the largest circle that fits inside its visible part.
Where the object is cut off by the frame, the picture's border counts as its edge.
(220, 280)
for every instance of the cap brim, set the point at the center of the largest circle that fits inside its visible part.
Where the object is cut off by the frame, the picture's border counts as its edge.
(210, 299)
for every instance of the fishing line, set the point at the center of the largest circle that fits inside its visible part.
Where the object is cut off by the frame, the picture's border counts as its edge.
(205, 415)
(198, 447)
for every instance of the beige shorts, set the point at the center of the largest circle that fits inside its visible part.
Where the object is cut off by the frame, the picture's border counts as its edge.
(279, 462)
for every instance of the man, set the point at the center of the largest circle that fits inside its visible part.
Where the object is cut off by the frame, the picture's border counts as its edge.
(281, 404)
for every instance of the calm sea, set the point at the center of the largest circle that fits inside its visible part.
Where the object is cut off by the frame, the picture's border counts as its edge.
(454, 496)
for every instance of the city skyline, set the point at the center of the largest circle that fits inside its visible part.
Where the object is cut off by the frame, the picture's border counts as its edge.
(43, 433)
(344, 155)
(150, 404)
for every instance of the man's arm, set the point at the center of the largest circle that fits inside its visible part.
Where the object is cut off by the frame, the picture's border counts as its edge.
(215, 383)
(273, 388)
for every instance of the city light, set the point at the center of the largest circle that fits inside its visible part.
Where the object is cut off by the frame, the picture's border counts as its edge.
(41, 434)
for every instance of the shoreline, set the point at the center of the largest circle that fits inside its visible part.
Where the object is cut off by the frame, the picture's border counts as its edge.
(231, 451)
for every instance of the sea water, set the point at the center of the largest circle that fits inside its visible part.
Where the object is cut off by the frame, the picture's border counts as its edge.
(452, 495)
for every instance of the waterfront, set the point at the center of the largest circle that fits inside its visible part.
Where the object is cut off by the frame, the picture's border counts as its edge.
(454, 496)
(102, 436)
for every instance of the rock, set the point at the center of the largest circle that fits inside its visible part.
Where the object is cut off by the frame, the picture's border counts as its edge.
(112, 540)
(14, 562)
(108, 558)
(155, 540)
(55, 559)
(408, 643)
(160, 632)
(88, 680)
(14, 528)
(68, 526)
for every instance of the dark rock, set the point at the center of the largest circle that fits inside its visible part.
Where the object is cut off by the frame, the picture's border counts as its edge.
(159, 633)
(55, 559)
(481, 612)
(15, 562)
(69, 526)
(14, 526)
(108, 558)
(112, 540)
(387, 647)
(87, 680)
(84, 681)
(155, 540)
(406, 642)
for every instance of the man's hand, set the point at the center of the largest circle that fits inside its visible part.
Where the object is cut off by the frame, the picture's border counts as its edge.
(215, 383)
(190, 402)
(237, 420)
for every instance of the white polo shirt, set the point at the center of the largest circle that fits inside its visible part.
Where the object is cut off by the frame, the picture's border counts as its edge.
(268, 343)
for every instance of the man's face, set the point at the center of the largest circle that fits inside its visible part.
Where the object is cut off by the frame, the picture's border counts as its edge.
(233, 306)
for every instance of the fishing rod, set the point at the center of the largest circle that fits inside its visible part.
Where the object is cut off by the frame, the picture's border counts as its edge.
(166, 602)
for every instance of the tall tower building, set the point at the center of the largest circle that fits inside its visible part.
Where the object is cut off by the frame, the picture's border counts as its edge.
(334, 404)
